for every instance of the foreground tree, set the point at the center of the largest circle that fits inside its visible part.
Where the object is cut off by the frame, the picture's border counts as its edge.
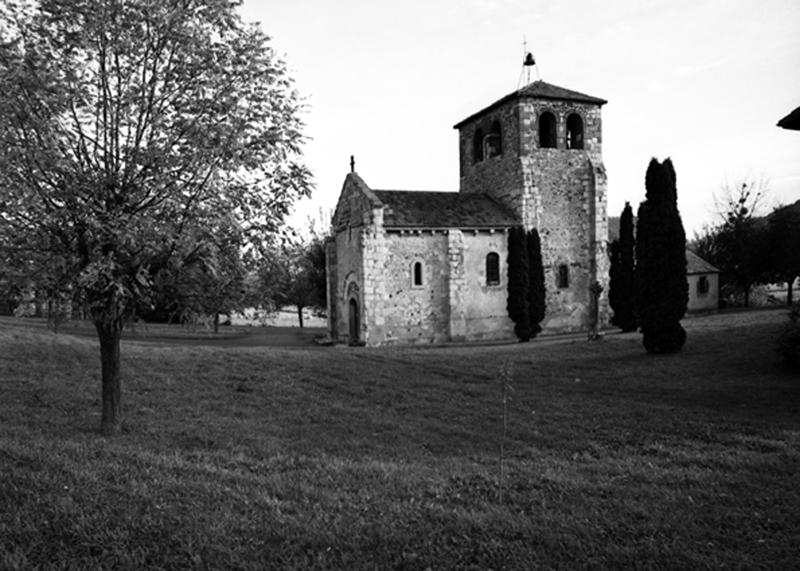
(518, 304)
(622, 287)
(125, 129)
(662, 290)
(537, 303)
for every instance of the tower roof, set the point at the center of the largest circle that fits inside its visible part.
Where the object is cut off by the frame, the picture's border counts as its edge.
(539, 90)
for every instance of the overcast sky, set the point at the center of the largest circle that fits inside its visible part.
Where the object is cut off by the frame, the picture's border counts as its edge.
(701, 81)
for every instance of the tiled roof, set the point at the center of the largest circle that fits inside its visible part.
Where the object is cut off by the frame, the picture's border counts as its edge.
(425, 209)
(697, 265)
(540, 90)
(543, 90)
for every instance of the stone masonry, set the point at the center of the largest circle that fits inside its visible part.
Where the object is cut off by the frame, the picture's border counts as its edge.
(407, 267)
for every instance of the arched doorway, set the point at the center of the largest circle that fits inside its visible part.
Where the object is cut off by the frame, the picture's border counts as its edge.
(355, 326)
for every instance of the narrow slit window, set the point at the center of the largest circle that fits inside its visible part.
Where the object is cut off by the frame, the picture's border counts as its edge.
(492, 269)
(417, 273)
(563, 276)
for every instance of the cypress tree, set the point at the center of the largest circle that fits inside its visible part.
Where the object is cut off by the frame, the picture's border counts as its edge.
(536, 290)
(626, 319)
(518, 281)
(662, 290)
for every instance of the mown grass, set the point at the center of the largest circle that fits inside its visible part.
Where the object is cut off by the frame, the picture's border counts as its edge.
(259, 458)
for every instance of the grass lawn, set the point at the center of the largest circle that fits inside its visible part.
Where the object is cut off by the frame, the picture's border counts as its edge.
(254, 457)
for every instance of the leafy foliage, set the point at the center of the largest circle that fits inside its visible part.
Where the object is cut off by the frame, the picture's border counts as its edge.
(128, 130)
(662, 290)
(294, 274)
(783, 245)
(537, 303)
(742, 239)
(518, 304)
(205, 283)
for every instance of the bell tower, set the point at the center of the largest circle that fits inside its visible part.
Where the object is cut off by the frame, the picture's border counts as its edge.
(538, 150)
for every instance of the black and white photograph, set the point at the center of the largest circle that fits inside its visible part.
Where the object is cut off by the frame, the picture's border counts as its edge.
(441, 284)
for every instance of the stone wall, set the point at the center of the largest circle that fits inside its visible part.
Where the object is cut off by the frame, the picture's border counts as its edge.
(454, 302)
(563, 190)
(415, 313)
(355, 206)
(560, 191)
(500, 176)
(347, 273)
(484, 305)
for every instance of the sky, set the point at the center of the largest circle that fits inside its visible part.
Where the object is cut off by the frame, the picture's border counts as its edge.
(701, 81)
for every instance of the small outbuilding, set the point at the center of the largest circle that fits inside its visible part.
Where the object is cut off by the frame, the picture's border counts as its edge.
(703, 281)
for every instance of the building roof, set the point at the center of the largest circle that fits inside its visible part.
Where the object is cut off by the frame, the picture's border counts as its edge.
(426, 209)
(791, 121)
(697, 265)
(539, 90)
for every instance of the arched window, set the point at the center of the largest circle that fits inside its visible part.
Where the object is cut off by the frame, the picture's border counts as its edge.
(547, 130)
(493, 143)
(492, 268)
(417, 274)
(477, 146)
(563, 276)
(574, 131)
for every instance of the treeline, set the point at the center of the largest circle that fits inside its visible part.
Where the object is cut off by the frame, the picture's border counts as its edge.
(750, 250)
(219, 277)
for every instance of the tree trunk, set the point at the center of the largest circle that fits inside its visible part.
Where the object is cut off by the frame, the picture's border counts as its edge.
(216, 323)
(109, 334)
(789, 285)
(300, 315)
(747, 296)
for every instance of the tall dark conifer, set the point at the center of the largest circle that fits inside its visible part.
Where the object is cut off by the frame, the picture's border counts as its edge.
(518, 281)
(536, 290)
(662, 290)
(625, 317)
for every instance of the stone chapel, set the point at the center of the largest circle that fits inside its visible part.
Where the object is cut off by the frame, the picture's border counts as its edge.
(413, 266)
